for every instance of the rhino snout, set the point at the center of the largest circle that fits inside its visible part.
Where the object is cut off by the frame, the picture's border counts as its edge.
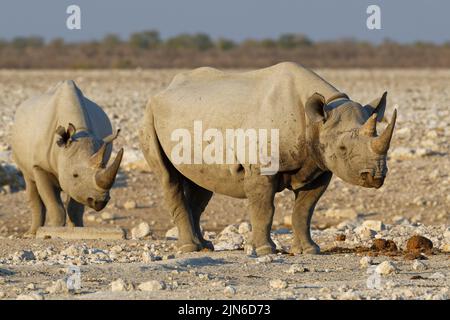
(372, 181)
(97, 205)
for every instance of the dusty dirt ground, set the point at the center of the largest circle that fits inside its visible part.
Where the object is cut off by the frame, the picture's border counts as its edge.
(414, 200)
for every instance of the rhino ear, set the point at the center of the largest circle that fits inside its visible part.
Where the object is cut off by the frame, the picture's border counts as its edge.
(377, 106)
(315, 108)
(65, 135)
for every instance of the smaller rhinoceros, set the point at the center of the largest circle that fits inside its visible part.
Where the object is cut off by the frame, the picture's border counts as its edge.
(62, 141)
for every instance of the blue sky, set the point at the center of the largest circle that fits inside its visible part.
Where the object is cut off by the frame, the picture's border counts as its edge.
(402, 20)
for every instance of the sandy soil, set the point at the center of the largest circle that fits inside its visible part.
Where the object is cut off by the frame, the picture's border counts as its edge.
(414, 199)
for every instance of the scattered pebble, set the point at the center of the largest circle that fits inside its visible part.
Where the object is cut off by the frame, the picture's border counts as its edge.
(229, 291)
(375, 225)
(140, 231)
(152, 285)
(129, 205)
(278, 284)
(365, 262)
(386, 268)
(120, 285)
(296, 268)
(419, 265)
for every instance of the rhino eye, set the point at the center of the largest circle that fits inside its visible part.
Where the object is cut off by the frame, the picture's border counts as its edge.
(75, 175)
(342, 148)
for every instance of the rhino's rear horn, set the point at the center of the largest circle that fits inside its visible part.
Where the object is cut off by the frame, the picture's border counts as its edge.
(96, 159)
(111, 137)
(105, 177)
(369, 128)
(381, 144)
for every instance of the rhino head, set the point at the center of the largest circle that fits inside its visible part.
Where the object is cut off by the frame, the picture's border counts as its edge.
(82, 170)
(344, 139)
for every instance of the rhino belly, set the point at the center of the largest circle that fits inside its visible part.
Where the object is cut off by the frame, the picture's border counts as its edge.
(216, 178)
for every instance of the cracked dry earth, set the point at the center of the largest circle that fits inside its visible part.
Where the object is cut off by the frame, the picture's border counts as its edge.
(414, 200)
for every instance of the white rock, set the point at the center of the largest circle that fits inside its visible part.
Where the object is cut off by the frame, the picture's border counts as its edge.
(365, 233)
(245, 227)
(120, 285)
(148, 257)
(386, 268)
(152, 285)
(172, 234)
(130, 204)
(59, 286)
(140, 231)
(30, 296)
(445, 247)
(264, 259)
(365, 262)
(342, 213)
(296, 268)
(447, 233)
(419, 265)
(278, 284)
(438, 275)
(350, 295)
(229, 291)
(107, 216)
(376, 225)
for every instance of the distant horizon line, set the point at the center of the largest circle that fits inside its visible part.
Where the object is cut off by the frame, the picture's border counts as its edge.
(216, 38)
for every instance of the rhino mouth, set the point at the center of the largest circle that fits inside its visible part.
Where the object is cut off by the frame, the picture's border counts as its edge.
(97, 205)
(372, 181)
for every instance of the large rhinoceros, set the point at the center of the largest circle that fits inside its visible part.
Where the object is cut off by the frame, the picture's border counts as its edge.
(62, 141)
(321, 132)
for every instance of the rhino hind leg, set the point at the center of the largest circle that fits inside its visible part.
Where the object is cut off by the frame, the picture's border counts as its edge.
(37, 208)
(260, 191)
(305, 202)
(197, 199)
(50, 195)
(171, 183)
(75, 212)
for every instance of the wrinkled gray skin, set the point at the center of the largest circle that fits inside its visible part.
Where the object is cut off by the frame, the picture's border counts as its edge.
(321, 132)
(62, 141)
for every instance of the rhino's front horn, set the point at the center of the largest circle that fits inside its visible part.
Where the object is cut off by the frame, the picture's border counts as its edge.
(105, 177)
(381, 144)
(370, 127)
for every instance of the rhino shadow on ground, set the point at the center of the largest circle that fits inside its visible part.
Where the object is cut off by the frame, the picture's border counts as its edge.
(201, 262)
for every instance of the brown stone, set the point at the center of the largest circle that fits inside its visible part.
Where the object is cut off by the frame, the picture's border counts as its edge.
(419, 244)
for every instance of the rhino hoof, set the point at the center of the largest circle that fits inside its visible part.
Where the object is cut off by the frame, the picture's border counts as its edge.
(30, 234)
(190, 247)
(263, 250)
(311, 249)
(207, 245)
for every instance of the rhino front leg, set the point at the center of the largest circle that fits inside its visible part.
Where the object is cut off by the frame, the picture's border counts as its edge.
(197, 199)
(260, 192)
(37, 208)
(75, 212)
(50, 195)
(305, 201)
